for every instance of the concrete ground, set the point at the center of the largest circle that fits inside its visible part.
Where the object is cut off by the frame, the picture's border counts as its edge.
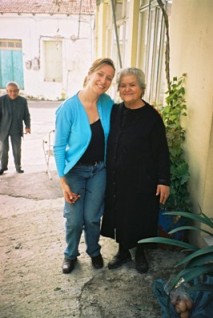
(32, 243)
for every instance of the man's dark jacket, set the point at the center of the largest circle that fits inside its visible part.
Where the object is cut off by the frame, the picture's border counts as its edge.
(21, 111)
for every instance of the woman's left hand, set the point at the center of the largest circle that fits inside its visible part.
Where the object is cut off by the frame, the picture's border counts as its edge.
(163, 191)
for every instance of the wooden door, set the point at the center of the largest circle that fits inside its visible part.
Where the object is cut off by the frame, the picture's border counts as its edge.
(11, 63)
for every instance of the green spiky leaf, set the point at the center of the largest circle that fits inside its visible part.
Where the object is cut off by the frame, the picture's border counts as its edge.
(163, 240)
(188, 227)
(193, 216)
(187, 275)
(200, 252)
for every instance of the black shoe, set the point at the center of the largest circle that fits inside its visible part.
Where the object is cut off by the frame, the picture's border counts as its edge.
(3, 170)
(119, 259)
(68, 265)
(141, 263)
(20, 171)
(97, 261)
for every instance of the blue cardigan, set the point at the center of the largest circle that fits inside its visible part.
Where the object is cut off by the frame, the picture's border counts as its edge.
(73, 132)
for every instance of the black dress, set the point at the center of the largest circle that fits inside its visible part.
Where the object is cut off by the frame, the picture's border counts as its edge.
(137, 160)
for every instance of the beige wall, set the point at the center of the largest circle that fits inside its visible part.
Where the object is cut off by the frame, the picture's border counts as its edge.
(191, 34)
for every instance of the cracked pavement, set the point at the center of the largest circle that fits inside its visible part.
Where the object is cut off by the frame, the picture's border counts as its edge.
(32, 243)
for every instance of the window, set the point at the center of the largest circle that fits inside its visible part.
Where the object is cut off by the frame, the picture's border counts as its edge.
(10, 44)
(120, 43)
(53, 61)
(151, 49)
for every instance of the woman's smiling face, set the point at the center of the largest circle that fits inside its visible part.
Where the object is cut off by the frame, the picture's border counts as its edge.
(129, 89)
(101, 79)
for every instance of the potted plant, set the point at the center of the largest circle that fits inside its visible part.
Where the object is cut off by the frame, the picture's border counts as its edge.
(189, 293)
(172, 113)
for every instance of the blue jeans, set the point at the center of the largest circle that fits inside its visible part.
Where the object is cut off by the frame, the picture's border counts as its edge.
(86, 213)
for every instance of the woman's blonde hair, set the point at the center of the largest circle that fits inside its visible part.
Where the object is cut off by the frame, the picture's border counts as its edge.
(96, 65)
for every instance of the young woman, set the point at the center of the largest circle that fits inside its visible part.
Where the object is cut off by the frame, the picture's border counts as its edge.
(82, 127)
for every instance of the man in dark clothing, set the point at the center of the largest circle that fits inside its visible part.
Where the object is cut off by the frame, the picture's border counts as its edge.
(13, 112)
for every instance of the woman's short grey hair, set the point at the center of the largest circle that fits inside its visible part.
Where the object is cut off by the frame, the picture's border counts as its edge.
(138, 73)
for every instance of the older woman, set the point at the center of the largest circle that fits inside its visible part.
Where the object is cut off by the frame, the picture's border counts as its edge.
(137, 170)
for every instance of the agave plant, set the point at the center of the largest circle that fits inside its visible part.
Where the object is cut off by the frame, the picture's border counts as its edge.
(198, 260)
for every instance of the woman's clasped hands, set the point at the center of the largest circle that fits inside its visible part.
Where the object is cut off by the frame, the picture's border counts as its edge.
(69, 196)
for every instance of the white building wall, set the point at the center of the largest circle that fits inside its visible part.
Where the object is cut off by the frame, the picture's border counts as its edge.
(77, 53)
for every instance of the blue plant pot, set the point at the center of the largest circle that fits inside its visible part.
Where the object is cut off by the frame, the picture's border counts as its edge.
(167, 223)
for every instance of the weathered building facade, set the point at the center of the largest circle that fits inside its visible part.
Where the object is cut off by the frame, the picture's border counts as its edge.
(46, 46)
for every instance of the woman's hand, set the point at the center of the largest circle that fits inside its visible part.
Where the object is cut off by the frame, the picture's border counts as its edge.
(69, 196)
(163, 192)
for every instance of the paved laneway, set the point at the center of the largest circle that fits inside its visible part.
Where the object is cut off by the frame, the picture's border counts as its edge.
(32, 243)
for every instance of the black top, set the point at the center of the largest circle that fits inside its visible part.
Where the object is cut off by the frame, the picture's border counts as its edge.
(95, 150)
(20, 113)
